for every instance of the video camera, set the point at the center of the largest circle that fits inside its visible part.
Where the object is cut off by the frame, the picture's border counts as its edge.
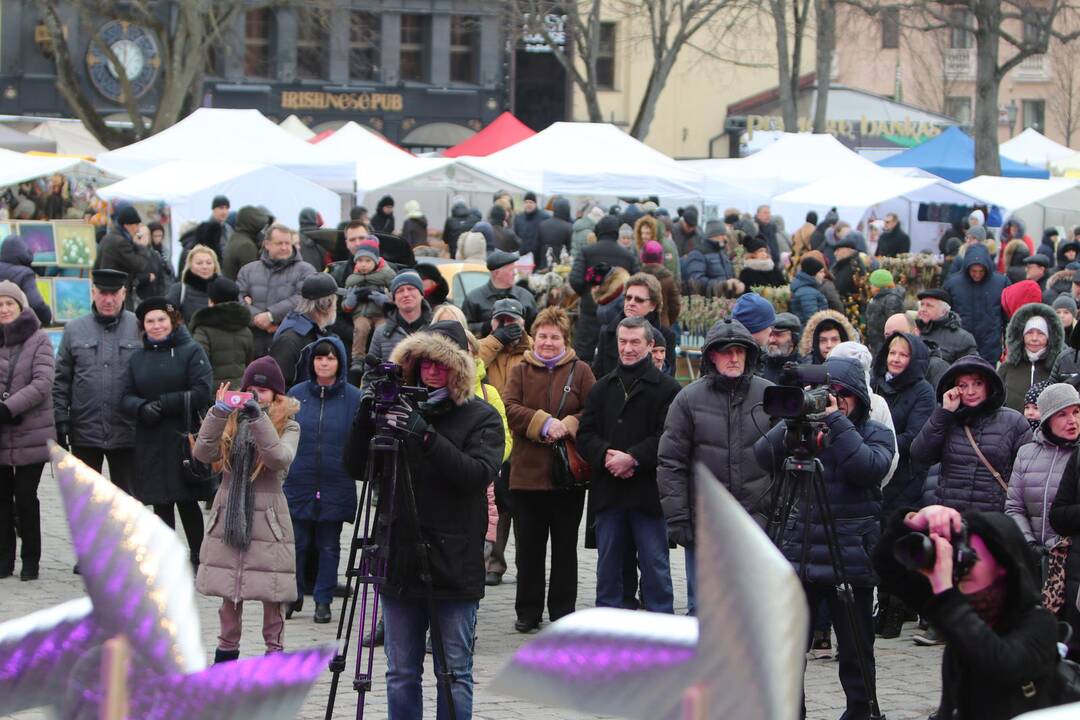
(790, 400)
(386, 383)
(916, 551)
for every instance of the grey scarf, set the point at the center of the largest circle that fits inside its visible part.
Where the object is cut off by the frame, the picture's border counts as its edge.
(240, 503)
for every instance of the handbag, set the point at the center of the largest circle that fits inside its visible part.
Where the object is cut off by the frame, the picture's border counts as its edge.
(982, 458)
(196, 472)
(1053, 591)
(569, 471)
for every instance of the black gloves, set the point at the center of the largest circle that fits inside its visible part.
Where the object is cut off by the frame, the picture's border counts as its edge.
(251, 410)
(63, 434)
(6, 418)
(508, 334)
(681, 533)
(355, 296)
(150, 413)
(407, 419)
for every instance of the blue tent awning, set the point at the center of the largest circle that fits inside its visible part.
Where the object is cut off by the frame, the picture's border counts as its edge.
(951, 155)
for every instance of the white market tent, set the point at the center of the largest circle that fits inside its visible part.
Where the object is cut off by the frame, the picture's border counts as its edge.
(295, 126)
(16, 167)
(1039, 203)
(188, 187)
(237, 136)
(71, 138)
(1033, 148)
(793, 161)
(862, 197)
(593, 159)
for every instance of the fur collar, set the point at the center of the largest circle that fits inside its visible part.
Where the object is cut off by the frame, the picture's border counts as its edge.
(20, 329)
(759, 264)
(226, 316)
(441, 349)
(806, 342)
(1014, 334)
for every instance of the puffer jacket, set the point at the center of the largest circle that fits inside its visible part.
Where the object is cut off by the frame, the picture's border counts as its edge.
(881, 307)
(1017, 371)
(190, 295)
(243, 246)
(554, 234)
(527, 228)
(965, 483)
(90, 369)
(266, 571)
(459, 222)
(714, 422)
(911, 400)
(806, 297)
(317, 487)
(587, 327)
(1036, 476)
(812, 328)
(26, 371)
(949, 337)
(273, 285)
(223, 332)
(979, 303)
(384, 339)
(1066, 367)
(579, 235)
(856, 458)
(704, 267)
(15, 265)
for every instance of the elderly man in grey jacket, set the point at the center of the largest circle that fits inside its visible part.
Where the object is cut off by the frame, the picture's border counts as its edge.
(271, 285)
(715, 421)
(90, 369)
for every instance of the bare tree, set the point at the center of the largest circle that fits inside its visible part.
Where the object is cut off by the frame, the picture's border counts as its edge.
(1064, 99)
(671, 27)
(789, 56)
(825, 12)
(928, 53)
(186, 32)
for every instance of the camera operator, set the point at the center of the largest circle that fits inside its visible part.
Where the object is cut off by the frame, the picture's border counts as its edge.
(855, 456)
(453, 445)
(1001, 649)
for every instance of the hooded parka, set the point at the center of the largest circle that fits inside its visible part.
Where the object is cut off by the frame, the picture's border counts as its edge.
(979, 303)
(1018, 370)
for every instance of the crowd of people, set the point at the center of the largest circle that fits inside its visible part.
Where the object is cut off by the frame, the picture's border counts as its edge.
(237, 396)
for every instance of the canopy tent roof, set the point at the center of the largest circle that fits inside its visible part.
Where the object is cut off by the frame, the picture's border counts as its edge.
(71, 138)
(12, 139)
(1068, 167)
(794, 160)
(1012, 193)
(500, 133)
(1033, 148)
(296, 127)
(17, 167)
(590, 159)
(236, 136)
(951, 155)
(853, 195)
(188, 187)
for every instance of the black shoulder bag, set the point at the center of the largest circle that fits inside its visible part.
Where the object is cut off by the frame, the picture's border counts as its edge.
(568, 470)
(196, 472)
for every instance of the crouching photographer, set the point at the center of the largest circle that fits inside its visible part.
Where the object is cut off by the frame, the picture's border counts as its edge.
(452, 444)
(971, 576)
(855, 454)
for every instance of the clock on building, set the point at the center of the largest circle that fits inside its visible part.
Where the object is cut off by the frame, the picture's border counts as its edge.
(136, 49)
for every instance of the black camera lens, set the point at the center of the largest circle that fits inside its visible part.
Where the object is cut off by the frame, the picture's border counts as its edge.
(915, 551)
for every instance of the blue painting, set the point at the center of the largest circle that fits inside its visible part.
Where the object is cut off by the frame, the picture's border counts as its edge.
(71, 298)
(41, 240)
(55, 336)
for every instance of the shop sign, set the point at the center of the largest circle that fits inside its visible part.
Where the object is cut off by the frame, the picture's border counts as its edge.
(851, 130)
(357, 102)
(537, 42)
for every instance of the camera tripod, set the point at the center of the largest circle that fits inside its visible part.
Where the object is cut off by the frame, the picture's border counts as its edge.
(385, 474)
(804, 479)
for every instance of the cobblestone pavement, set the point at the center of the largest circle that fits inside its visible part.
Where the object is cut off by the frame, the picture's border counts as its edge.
(908, 676)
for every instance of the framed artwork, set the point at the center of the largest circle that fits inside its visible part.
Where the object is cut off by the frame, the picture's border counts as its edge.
(71, 298)
(55, 336)
(45, 287)
(75, 244)
(41, 240)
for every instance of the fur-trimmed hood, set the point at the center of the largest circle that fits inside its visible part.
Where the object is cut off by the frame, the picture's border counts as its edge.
(441, 349)
(1014, 333)
(1011, 250)
(808, 341)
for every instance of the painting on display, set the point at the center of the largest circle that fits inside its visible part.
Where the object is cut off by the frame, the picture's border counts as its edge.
(75, 245)
(45, 287)
(55, 336)
(71, 298)
(41, 240)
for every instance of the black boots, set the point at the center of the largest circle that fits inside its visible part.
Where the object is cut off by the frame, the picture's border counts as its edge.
(294, 607)
(322, 613)
(221, 656)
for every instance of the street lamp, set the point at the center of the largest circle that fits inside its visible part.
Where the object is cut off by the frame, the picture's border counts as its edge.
(1012, 112)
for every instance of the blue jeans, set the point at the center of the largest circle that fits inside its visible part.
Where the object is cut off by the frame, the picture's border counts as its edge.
(327, 536)
(691, 579)
(613, 528)
(406, 625)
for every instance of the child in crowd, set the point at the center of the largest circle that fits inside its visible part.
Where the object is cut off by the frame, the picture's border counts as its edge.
(371, 274)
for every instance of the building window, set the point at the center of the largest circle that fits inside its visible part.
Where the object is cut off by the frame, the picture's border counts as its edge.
(959, 108)
(312, 43)
(413, 40)
(1034, 29)
(363, 45)
(258, 30)
(960, 38)
(464, 42)
(890, 28)
(605, 57)
(1034, 114)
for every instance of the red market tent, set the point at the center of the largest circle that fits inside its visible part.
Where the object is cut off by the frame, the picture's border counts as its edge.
(504, 131)
(319, 137)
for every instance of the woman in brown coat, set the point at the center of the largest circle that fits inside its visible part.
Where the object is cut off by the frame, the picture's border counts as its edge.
(533, 395)
(248, 553)
(26, 424)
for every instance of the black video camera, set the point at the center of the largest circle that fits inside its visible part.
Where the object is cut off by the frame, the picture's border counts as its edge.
(386, 384)
(790, 400)
(916, 551)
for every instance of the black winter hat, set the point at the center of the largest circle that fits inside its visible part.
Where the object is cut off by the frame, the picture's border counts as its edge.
(128, 215)
(318, 286)
(451, 329)
(222, 289)
(1037, 259)
(501, 258)
(690, 216)
(935, 294)
(715, 228)
(754, 244)
(219, 201)
(607, 228)
(153, 303)
(266, 373)
(811, 265)
(530, 196)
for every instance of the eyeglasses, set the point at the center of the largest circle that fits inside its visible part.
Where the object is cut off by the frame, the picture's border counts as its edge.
(841, 392)
(636, 298)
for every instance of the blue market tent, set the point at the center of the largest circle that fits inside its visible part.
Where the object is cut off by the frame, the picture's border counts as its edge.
(951, 155)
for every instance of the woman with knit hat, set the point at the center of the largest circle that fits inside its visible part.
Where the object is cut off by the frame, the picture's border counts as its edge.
(652, 262)
(26, 424)
(169, 382)
(1033, 340)
(249, 549)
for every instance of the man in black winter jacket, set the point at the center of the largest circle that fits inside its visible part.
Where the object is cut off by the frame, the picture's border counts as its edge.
(527, 224)
(605, 250)
(938, 323)
(554, 236)
(782, 346)
(460, 221)
(453, 445)
(893, 241)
